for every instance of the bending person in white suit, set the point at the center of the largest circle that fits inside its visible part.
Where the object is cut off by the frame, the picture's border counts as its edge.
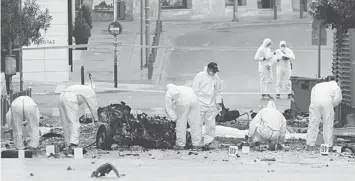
(24, 111)
(324, 97)
(182, 106)
(70, 100)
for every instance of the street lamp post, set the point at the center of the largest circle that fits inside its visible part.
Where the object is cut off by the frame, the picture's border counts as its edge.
(115, 10)
(147, 30)
(142, 36)
(301, 9)
(275, 10)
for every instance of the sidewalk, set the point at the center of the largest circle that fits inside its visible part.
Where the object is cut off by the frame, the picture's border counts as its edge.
(246, 19)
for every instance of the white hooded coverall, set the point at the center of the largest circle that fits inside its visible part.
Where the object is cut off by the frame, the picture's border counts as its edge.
(182, 105)
(324, 97)
(283, 69)
(24, 108)
(208, 89)
(266, 76)
(70, 100)
(268, 125)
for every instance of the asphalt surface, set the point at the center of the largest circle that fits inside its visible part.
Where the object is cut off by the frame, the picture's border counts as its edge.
(170, 165)
(238, 69)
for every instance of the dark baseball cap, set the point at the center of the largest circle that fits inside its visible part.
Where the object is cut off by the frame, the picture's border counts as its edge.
(213, 66)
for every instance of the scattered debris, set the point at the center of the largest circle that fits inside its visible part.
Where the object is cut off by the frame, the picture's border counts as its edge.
(69, 168)
(104, 169)
(103, 152)
(31, 174)
(128, 154)
(192, 153)
(54, 155)
(268, 159)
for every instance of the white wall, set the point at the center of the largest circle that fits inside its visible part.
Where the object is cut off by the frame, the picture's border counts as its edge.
(50, 65)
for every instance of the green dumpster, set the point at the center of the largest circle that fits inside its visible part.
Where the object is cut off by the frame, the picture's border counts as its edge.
(301, 90)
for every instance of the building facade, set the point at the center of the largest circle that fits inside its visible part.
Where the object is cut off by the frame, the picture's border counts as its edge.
(103, 9)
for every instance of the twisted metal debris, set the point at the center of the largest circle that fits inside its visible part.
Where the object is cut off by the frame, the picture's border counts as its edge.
(149, 132)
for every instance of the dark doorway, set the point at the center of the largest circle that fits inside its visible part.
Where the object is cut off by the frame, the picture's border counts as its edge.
(266, 4)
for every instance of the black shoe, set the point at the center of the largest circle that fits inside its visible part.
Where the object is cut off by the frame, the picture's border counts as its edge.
(277, 96)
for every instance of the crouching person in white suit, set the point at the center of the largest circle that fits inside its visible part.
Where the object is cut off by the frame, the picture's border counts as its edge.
(268, 125)
(24, 111)
(70, 100)
(183, 106)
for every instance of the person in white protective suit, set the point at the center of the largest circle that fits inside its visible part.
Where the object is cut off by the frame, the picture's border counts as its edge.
(24, 111)
(207, 87)
(324, 97)
(265, 57)
(70, 100)
(182, 106)
(283, 70)
(268, 125)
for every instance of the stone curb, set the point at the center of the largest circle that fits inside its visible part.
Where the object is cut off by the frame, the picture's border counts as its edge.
(258, 23)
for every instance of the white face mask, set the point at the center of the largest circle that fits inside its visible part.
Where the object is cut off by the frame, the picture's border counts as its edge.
(283, 48)
(211, 73)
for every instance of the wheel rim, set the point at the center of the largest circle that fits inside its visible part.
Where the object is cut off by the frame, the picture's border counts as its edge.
(102, 139)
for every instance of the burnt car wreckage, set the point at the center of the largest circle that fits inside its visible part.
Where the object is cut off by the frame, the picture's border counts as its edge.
(119, 126)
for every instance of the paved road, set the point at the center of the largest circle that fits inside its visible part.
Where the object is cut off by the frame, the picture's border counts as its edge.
(169, 165)
(238, 68)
